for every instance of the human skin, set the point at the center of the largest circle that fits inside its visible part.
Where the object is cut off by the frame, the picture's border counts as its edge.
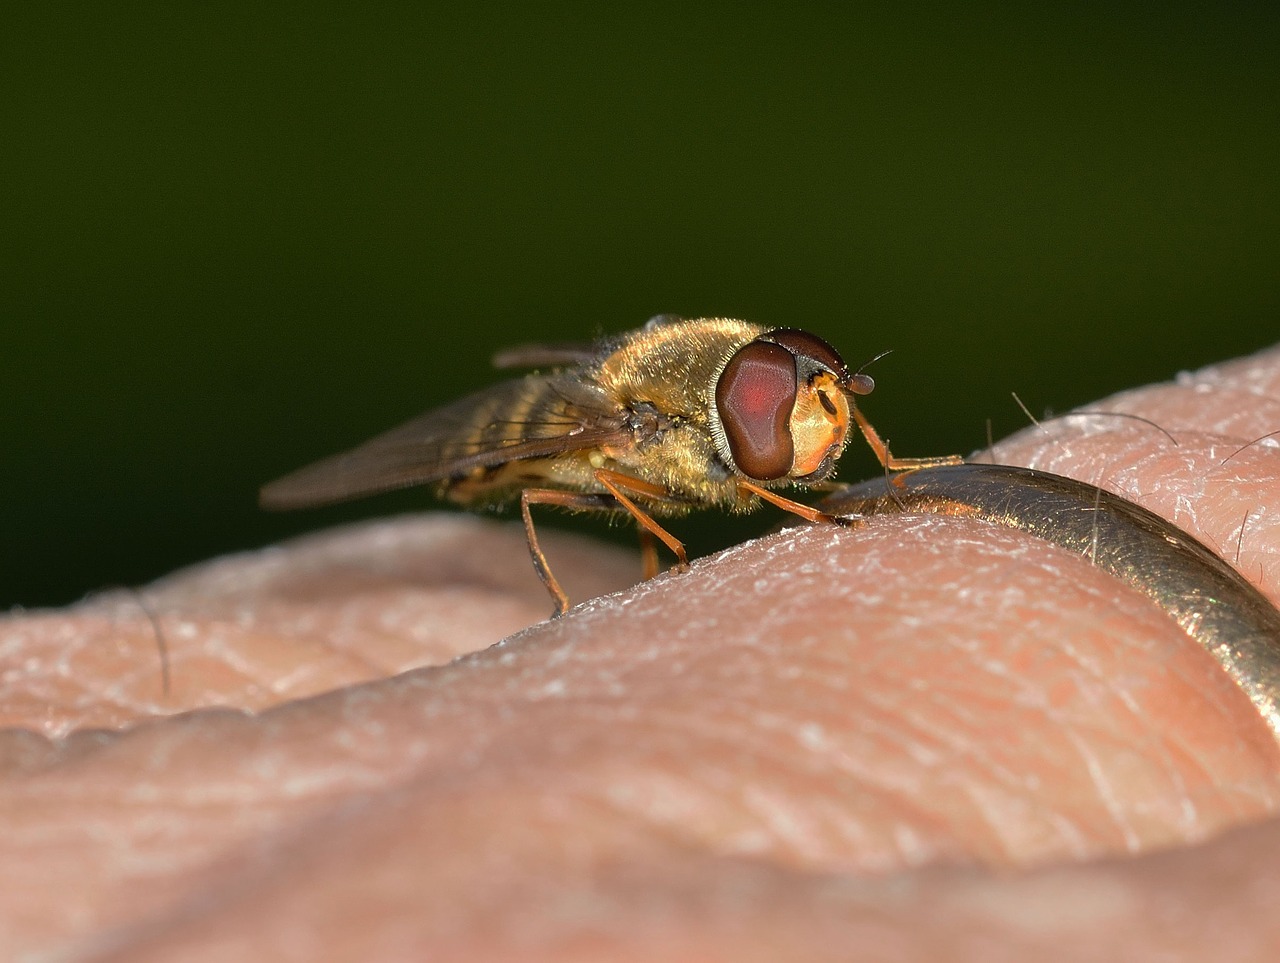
(925, 737)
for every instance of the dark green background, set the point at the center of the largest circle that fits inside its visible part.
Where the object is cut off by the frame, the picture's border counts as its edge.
(236, 240)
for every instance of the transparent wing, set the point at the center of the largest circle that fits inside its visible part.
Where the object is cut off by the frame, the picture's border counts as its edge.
(535, 417)
(559, 355)
(563, 354)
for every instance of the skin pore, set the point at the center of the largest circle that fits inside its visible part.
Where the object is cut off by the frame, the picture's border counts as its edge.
(925, 736)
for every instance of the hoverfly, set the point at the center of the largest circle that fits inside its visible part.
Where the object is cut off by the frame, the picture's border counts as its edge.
(676, 416)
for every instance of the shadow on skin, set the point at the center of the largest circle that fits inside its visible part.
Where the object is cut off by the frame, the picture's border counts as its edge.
(918, 737)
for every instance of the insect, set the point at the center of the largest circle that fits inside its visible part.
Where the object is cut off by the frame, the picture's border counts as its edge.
(675, 416)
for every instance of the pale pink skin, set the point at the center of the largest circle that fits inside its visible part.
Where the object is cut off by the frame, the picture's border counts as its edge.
(927, 738)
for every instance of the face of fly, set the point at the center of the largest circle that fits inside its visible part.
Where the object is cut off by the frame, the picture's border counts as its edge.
(784, 405)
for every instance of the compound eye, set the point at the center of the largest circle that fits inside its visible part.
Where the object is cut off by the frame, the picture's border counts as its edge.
(802, 344)
(754, 398)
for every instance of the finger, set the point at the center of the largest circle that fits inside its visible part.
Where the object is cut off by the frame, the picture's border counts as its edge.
(255, 630)
(531, 899)
(565, 789)
(816, 703)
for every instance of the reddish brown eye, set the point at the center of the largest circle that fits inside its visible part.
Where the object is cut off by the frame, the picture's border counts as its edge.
(802, 344)
(754, 397)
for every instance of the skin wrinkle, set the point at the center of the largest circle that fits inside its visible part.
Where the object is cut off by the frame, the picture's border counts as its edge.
(724, 735)
(907, 732)
(846, 763)
(1173, 760)
(1171, 750)
(1183, 756)
(1010, 839)
(987, 763)
(1072, 835)
(1115, 808)
(1099, 677)
(671, 805)
(998, 820)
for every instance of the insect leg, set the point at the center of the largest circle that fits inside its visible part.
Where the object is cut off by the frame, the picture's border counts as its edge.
(806, 512)
(550, 496)
(615, 482)
(881, 448)
(649, 554)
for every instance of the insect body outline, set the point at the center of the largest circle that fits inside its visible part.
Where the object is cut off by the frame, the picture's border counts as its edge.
(675, 416)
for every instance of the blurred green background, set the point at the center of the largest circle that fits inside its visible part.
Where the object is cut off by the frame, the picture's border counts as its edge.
(236, 239)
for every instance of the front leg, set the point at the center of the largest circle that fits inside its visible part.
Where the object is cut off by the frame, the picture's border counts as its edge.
(807, 512)
(888, 459)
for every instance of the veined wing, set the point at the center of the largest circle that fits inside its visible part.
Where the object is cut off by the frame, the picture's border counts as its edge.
(533, 417)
